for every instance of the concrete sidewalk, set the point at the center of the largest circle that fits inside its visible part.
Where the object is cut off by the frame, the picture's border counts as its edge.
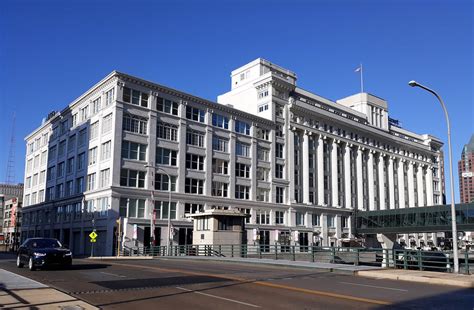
(431, 277)
(19, 292)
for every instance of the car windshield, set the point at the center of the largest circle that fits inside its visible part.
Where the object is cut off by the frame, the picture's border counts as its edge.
(45, 243)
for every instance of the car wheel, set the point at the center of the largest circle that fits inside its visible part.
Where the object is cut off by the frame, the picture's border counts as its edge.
(31, 265)
(19, 264)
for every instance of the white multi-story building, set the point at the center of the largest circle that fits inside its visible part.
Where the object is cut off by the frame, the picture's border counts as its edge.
(298, 163)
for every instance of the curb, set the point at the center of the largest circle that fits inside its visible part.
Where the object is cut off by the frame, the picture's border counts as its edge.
(465, 283)
(120, 257)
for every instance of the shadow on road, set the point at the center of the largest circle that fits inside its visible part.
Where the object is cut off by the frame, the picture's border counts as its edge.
(77, 267)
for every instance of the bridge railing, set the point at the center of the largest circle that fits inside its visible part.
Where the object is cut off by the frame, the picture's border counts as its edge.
(377, 257)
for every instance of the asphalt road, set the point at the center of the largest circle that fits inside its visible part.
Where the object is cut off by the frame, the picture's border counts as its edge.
(187, 284)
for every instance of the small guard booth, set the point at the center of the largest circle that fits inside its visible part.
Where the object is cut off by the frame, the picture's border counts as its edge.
(220, 232)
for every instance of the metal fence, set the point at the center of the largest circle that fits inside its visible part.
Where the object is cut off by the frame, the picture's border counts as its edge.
(396, 258)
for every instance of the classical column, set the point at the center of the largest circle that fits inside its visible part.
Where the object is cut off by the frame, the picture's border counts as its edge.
(420, 187)
(290, 165)
(347, 176)
(391, 184)
(334, 187)
(401, 183)
(429, 186)
(320, 170)
(370, 180)
(411, 186)
(360, 189)
(306, 137)
(381, 166)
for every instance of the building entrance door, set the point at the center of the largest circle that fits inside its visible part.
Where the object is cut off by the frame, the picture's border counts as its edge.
(303, 240)
(264, 240)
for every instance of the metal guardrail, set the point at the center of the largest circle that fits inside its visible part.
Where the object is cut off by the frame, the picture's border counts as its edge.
(396, 258)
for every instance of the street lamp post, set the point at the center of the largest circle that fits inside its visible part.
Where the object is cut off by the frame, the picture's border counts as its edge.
(453, 210)
(168, 242)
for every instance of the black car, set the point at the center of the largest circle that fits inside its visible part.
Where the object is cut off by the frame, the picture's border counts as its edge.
(43, 252)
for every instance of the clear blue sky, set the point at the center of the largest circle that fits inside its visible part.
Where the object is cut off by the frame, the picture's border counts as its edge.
(52, 51)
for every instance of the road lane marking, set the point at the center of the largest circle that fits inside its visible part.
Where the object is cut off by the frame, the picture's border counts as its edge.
(374, 286)
(322, 293)
(113, 274)
(218, 297)
(261, 283)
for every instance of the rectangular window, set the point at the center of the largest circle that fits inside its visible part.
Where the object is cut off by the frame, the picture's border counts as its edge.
(278, 171)
(59, 191)
(82, 137)
(62, 148)
(80, 185)
(70, 165)
(92, 155)
(191, 208)
(107, 123)
(263, 174)
(316, 219)
(219, 189)
(300, 219)
(263, 195)
(242, 170)
(69, 188)
(132, 178)
(242, 149)
(50, 193)
(134, 208)
(44, 157)
(60, 170)
(165, 156)
(220, 121)
(135, 97)
(263, 154)
(195, 114)
(81, 160)
(94, 132)
(91, 182)
(194, 138)
(219, 166)
(96, 106)
(279, 216)
(279, 151)
(162, 182)
(104, 178)
(193, 186)
(220, 144)
(279, 194)
(42, 177)
(109, 96)
(330, 221)
(167, 106)
(132, 150)
(195, 162)
(163, 211)
(167, 131)
(263, 107)
(51, 156)
(106, 150)
(71, 144)
(50, 175)
(263, 217)
(135, 124)
(84, 112)
(263, 134)
(242, 192)
(242, 127)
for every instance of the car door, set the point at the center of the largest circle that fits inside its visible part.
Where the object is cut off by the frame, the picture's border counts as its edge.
(24, 251)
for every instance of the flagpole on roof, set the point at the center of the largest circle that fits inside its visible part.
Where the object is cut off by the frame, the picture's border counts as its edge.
(361, 78)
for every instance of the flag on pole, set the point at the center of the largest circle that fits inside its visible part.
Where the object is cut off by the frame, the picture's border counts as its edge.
(359, 69)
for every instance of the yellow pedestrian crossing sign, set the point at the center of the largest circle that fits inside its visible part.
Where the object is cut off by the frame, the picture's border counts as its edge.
(93, 240)
(93, 235)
